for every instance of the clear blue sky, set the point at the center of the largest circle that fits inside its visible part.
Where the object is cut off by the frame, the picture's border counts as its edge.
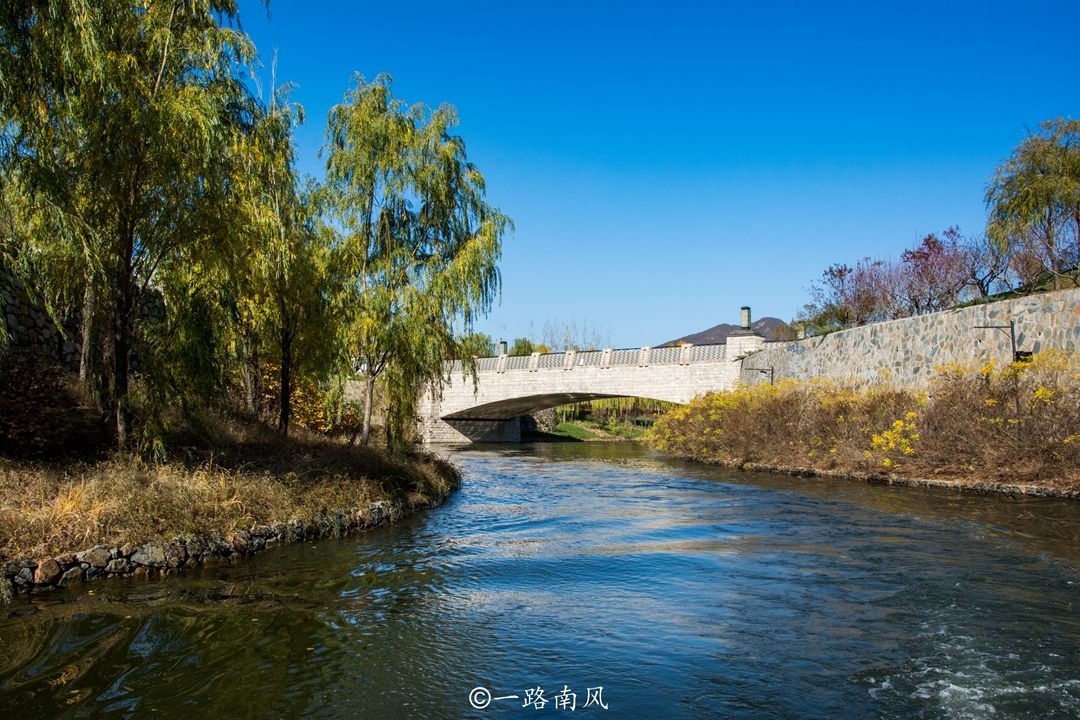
(668, 162)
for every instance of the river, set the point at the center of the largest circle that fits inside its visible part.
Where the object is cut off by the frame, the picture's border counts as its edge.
(681, 590)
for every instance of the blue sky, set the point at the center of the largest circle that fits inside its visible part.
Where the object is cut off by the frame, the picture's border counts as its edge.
(667, 162)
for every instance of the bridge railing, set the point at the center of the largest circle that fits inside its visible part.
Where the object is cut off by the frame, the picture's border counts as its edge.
(610, 357)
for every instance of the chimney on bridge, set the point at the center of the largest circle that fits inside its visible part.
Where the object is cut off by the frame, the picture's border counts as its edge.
(743, 341)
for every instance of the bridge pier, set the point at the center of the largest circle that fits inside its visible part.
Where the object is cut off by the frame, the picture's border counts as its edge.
(460, 430)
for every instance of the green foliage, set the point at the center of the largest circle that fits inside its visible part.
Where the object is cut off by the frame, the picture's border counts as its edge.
(1034, 201)
(147, 187)
(282, 281)
(618, 410)
(419, 244)
(475, 345)
(523, 346)
(115, 137)
(573, 430)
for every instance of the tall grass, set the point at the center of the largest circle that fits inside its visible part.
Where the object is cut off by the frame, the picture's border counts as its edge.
(250, 476)
(1018, 423)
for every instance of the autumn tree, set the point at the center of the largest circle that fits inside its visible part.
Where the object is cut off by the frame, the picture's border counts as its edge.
(848, 296)
(1034, 201)
(279, 272)
(523, 346)
(420, 244)
(475, 344)
(560, 335)
(986, 265)
(126, 113)
(932, 275)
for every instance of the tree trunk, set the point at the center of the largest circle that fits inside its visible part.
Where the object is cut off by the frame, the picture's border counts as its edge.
(1076, 234)
(122, 350)
(123, 313)
(1051, 244)
(252, 374)
(284, 406)
(86, 352)
(369, 401)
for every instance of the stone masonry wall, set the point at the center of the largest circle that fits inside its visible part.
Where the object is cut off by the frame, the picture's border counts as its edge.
(32, 333)
(903, 353)
(26, 575)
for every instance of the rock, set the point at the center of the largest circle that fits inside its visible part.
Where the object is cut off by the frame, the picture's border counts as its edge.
(195, 549)
(341, 522)
(295, 530)
(126, 550)
(152, 554)
(219, 546)
(272, 542)
(7, 591)
(118, 566)
(141, 572)
(379, 511)
(175, 555)
(65, 560)
(25, 577)
(238, 541)
(70, 577)
(97, 556)
(47, 572)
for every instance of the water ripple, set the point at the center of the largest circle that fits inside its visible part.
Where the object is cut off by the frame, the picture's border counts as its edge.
(685, 591)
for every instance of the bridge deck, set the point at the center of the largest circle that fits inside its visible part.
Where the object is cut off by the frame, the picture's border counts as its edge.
(510, 386)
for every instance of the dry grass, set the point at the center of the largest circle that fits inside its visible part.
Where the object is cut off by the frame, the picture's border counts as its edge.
(1018, 424)
(247, 476)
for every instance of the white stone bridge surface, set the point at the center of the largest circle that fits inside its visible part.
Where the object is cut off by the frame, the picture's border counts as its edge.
(508, 387)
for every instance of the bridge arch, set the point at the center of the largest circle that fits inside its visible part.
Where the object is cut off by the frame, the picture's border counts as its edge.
(518, 406)
(507, 387)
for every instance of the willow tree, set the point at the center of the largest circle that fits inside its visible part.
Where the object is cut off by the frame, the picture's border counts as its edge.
(420, 244)
(279, 278)
(48, 53)
(128, 114)
(1034, 201)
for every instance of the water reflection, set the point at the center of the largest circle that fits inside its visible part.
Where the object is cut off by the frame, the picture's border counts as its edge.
(685, 591)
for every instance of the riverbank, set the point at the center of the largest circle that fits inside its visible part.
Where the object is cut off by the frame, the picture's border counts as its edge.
(63, 523)
(587, 431)
(1014, 430)
(967, 484)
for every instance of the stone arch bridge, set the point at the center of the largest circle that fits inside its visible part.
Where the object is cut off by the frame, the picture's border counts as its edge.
(508, 387)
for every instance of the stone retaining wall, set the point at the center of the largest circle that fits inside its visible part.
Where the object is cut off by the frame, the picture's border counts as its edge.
(31, 332)
(161, 558)
(903, 353)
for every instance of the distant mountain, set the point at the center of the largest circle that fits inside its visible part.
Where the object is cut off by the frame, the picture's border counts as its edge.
(717, 335)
